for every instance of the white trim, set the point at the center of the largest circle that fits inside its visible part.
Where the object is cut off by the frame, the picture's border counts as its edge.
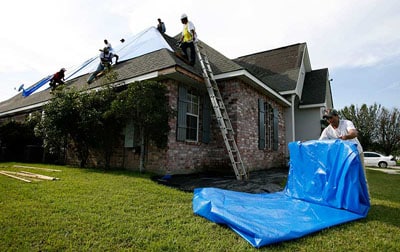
(151, 75)
(313, 106)
(290, 92)
(116, 84)
(253, 79)
(33, 106)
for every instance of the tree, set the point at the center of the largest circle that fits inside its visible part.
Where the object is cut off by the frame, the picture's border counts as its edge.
(388, 133)
(82, 119)
(365, 121)
(378, 128)
(108, 129)
(146, 104)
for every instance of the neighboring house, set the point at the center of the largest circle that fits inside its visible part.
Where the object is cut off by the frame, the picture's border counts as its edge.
(263, 104)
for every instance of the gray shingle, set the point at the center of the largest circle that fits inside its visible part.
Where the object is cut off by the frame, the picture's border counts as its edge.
(315, 85)
(279, 68)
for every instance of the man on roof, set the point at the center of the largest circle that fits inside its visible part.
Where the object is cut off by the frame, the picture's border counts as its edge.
(58, 78)
(106, 60)
(187, 39)
(161, 26)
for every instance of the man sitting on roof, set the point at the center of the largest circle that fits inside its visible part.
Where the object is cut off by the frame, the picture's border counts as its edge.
(58, 78)
(105, 62)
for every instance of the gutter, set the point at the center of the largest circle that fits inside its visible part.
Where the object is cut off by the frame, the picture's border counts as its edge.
(26, 108)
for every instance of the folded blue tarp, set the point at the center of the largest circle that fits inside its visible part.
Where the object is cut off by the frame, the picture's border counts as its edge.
(326, 186)
(34, 87)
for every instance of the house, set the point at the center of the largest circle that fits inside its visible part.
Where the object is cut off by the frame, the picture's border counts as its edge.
(288, 71)
(268, 96)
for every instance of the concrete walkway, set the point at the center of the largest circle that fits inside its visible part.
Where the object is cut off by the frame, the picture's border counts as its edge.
(389, 170)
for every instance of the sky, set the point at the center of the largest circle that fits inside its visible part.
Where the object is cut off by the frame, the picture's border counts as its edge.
(357, 40)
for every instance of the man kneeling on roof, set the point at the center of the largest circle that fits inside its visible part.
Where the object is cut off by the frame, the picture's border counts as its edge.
(58, 78)
(105, 62)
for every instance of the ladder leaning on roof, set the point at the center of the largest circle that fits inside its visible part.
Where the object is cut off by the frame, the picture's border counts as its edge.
(221, 114)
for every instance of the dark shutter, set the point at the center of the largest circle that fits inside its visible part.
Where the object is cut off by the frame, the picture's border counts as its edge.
(261, 124)
(182, 110)
(206, 119)
(276, 129)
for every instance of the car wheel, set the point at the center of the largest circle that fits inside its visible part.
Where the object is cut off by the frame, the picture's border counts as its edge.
(382, 164)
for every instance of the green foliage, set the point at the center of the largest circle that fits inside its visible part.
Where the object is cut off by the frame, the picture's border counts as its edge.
(84, 118)
(93, 120)
(88, 210)
(146, 104)
(378, 128)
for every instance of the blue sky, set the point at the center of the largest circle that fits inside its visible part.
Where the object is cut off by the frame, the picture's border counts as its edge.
(358, 40)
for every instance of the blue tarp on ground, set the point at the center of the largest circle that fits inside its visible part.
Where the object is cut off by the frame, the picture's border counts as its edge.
(326, 186)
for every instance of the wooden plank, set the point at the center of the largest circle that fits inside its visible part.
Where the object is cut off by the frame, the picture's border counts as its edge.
(35, 175)
(12, 176)
(35, 168)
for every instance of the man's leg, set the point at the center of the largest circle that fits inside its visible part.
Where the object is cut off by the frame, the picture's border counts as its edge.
(100, 68)
(184, 47)
(192, 53)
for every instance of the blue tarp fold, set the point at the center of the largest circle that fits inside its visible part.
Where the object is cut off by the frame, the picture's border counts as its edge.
(326, 186)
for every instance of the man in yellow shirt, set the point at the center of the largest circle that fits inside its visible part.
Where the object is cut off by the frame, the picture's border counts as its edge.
(187, 39)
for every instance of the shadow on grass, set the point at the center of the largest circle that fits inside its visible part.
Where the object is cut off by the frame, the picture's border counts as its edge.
(388, 215)
(118, 172)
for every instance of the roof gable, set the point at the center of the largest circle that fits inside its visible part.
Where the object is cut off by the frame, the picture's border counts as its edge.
(315, 87)
(279, 67)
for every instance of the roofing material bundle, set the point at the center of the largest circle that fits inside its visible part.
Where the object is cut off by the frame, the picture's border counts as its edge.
(326, 186)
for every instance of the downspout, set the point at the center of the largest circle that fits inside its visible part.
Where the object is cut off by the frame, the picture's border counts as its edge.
(293, 117)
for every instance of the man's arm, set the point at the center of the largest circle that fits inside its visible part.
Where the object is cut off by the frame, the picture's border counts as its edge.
(353, 133)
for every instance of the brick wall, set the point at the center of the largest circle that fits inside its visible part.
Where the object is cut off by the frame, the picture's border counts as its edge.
(180, 157)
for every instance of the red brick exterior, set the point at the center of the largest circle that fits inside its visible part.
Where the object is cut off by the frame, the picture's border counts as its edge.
(241, 102)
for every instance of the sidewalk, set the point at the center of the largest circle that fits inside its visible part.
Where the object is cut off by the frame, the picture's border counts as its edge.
(389, 170)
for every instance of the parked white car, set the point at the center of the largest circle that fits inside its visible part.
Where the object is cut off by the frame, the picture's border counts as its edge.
(377, 159)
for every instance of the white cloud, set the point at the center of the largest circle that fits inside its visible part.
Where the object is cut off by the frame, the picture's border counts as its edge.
(44, 35)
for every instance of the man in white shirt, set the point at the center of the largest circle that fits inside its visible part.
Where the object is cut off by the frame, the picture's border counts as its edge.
(341, 129)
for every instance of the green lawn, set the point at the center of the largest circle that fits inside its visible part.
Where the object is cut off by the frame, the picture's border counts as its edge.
(92, 210)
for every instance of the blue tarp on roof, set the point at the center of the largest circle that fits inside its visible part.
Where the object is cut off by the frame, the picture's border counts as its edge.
(326, 186)
(147, 41)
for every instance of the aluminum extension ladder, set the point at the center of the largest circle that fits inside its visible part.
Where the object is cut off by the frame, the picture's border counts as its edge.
(221, 114)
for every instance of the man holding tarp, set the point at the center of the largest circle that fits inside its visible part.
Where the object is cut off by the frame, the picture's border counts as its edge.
(326, 186)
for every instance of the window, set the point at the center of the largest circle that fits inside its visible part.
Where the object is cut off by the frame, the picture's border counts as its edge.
(188, 116)
(192, 116)
(268, 126)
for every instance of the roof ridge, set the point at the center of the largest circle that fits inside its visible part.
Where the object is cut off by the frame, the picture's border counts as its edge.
(275, 49)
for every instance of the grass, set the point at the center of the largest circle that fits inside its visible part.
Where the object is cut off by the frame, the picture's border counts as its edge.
(91, 210)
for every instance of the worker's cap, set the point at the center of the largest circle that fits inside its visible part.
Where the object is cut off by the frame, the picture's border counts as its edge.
(328, 113)
(183, 16)
(63, 69)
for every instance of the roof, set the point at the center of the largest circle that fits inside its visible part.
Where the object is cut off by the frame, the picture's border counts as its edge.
(147, 53)
(278, 68)
(315, 85)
